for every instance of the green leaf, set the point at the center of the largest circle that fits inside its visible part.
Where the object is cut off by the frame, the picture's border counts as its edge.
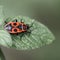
(5, 38)
(40, 35)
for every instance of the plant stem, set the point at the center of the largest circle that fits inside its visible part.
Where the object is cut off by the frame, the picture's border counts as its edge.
(2, 57)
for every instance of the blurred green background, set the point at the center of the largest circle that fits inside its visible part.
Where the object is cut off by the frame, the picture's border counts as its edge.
(45, 11)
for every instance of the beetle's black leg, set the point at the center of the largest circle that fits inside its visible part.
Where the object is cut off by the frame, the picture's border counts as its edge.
(28, 27)
(21, 21)
(5, 22)
(16, 20)
(17, 34)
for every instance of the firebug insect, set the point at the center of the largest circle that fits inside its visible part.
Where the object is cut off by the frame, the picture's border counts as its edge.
(16, 27)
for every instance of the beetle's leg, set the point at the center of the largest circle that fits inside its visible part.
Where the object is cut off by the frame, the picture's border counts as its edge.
(29, 26)
(17, 34)
(21, 21)
(30, 31)
(15, 20)
(5, 22)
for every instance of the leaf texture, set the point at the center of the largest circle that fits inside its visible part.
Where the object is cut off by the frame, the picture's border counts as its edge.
(5, 38)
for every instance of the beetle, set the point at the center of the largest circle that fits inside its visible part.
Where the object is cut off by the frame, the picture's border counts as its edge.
(16, 27)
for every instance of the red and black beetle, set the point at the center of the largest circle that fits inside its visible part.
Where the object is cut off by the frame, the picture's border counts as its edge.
(16, 27)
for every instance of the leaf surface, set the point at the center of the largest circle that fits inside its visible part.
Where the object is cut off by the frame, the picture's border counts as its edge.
(40, 35)
(5, 38)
